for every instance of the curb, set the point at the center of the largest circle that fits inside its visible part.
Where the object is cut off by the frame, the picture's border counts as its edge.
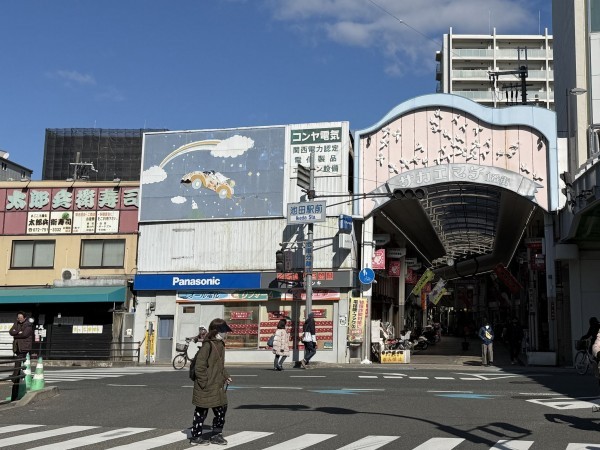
(32, 397)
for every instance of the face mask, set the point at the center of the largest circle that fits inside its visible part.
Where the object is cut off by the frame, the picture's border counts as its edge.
(223, 335)
(487, 327)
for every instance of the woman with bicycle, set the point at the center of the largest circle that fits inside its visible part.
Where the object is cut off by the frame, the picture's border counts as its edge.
(592, 333)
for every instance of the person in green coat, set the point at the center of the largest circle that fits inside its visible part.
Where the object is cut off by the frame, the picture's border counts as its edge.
(210, 386)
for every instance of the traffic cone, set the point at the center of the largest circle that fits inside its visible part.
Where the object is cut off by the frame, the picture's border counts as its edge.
(38, 379)
(27, 373)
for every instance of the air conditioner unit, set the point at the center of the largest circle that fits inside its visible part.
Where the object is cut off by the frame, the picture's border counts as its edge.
(70, 274)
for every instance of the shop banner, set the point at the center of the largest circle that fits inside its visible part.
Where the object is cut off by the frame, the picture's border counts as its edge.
(378, 259)
(436, 291)
(411, 276)
(425, 278)
(357, 318)
(435, 300)
(508, 279)
(394, 269)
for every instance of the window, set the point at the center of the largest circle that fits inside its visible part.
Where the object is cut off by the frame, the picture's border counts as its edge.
(102, 253)
(27, 254)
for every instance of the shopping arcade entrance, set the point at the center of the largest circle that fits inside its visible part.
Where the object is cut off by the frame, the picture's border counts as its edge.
(459, 183)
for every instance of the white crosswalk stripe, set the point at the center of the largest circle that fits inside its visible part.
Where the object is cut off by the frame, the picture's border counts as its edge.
(439, 444)
(30, 437)
(304, 441)
(513, 445)
(61, 375)
(370, 443)
(137, 438)
(93, 439)
(13, 428)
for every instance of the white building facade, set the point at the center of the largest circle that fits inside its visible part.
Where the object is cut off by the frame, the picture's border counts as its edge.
(214, 211)
(576, 26)
(466, 61)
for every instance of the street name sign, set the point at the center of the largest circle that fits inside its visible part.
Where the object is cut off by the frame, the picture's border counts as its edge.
(306, 212)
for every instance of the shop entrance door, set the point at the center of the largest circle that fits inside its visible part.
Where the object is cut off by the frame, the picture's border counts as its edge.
(164, 339)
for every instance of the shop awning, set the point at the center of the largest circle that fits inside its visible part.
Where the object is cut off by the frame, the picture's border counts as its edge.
(115, 294)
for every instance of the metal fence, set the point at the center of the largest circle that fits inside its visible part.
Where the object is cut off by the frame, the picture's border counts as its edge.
(122, 351)
(11, 376)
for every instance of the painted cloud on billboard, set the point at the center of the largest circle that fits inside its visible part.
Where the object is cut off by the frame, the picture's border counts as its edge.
(215, 174)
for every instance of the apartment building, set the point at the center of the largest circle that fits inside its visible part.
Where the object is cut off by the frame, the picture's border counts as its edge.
(487, 68)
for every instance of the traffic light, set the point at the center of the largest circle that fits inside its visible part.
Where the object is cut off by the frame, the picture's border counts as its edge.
(410, 194)
(279, 261)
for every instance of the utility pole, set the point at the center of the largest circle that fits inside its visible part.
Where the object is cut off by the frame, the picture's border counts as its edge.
(522, 72)
(308, 254)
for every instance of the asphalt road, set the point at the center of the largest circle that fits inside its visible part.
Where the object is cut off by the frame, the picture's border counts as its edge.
(414, 407)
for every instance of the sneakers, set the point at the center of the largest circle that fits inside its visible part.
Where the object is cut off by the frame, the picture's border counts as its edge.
(218, 439)
(199, 441)
(303, 363)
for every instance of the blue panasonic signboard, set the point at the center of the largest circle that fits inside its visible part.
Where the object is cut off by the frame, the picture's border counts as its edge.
(196, 281)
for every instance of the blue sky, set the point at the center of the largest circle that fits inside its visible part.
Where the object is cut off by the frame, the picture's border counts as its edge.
(192, 65)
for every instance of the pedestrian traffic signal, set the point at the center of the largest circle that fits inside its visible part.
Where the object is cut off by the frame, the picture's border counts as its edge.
(279, 261)
(410, 194)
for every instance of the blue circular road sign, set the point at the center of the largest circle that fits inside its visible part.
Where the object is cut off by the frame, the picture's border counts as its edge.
(366, 275)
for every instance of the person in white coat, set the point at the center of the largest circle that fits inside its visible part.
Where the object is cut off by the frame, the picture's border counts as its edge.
(281, 345)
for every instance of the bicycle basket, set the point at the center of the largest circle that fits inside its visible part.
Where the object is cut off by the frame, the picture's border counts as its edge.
(180, 347)
(581, 344)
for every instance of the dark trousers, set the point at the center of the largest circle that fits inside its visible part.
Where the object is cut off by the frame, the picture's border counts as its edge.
(200, 416)
(279, 360)
(310, 350)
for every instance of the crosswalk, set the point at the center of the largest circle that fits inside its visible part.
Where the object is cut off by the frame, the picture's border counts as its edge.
(96, 373)
(488, 376)
(38, 437)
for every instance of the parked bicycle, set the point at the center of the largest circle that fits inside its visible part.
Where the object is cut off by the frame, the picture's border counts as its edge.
(583, 358)
(181, 358)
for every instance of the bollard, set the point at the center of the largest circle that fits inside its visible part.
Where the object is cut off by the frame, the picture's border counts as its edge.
(38, 379)
(27, 371)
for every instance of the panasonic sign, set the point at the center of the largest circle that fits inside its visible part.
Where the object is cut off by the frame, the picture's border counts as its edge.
(214, 281)
(195, 281)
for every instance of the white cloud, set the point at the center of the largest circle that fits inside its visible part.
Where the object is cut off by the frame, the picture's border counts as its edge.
(72, 77)
(232, 147)
(406, 33)
(110, 94)
(153, 175)
(178, 200)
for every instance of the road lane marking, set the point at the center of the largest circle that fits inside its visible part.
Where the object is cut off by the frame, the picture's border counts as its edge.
(455, 392)
(42, 435)
(370, 443)
(439, 444)
(308, 376)
(512, 445)
(154, 442)
(279, 387)
(419, 378)
(367, 376)
(301, 442)
(393, 378)
(470, 379)
(444, 378)
(128, 385)
(13, 428)
(244, 437)
(579, 446)
(93, 438)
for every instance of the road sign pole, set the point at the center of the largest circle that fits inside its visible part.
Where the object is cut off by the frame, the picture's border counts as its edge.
(308, 254)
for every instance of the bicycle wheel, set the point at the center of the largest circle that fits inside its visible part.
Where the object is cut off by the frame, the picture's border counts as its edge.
(179, 361)
(581, 362)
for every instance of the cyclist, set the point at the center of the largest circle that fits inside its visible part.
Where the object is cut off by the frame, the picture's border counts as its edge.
(592, 333)
(202, 331)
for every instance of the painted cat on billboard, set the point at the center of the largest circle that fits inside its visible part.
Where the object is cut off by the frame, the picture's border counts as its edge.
(216, 174)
